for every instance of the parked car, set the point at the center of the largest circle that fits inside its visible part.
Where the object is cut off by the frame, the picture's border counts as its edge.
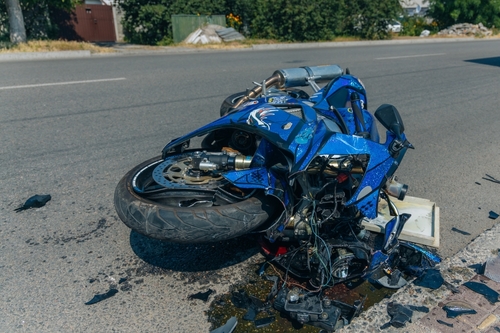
(394, 26)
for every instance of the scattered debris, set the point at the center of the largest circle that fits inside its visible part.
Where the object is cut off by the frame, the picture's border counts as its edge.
(491, 179)
(201, 296)
(263, 322)
(492, 269)
(493, 215)
(123, 279)
(213, 33)
(229, 34)
(425, 33)
(35, 201)
(457, 308)
(101, 297)
(431, 279)
(451, 287)
(204, 35)
(444, 323)
(478, 268)
(228, 327)
(467, 29)
(481, 288)
(401, 314)
(309, 308)
(460, 231)
(497, 328)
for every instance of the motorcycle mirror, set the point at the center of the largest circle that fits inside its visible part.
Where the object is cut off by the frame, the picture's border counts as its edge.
(390, 118)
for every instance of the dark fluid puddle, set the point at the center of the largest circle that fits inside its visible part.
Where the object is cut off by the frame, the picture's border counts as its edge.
(221, 309)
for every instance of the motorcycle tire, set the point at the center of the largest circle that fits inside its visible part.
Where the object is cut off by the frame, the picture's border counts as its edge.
(229, 102)
(159, 218)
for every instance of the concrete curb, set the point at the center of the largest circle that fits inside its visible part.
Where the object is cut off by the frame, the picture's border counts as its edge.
(43, 55)
(454, 270)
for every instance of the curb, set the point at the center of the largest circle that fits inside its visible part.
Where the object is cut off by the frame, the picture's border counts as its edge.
(455, 270)
(43, 55)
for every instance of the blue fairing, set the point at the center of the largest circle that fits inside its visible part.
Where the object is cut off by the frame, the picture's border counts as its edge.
(305, 138)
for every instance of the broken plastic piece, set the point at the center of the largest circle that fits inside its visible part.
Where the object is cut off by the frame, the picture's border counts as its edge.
(393, 281)
(399, 314)
(457, 308)
(263, 322)
(480, 288)
(444, 323)
(101, 297)
(491, 179)
(201, 296)
(228, 327)
(431, 279)
(451, 287)
(493, 215)
(421, 308)
(460, 231)
(35, 201)
(497, 328)
(478, 268)
(492, 269)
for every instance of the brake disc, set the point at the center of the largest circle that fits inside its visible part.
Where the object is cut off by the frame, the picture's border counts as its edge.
(178, 172)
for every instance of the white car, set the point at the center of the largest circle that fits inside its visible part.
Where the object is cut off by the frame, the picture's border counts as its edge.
(394, 26)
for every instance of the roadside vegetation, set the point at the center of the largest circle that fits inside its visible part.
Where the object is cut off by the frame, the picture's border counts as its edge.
(52, 45)
(148, 22)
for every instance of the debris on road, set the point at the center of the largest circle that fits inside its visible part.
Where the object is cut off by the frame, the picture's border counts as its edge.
(35, 201)
(201, 296)
(101, 297)
(491, 179)
(228, 327)
(493, 215)
(466, 29)
(401, 314)
(460, 231)
(444, 323)
(481, 288)
(457, 308)
(492, 268)
(431, 279)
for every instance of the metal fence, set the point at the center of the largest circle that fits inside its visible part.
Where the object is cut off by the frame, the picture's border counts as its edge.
(183, 25)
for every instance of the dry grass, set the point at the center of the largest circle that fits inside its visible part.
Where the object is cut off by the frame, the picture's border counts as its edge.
(53, 45)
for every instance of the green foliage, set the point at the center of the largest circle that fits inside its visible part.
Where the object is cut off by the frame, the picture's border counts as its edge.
(295, 20)
(38, 17)
(369, 19)
(447, 12)
(149, 21)
(414, 25)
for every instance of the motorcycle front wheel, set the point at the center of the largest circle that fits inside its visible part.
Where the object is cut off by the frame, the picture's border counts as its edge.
(165, 199)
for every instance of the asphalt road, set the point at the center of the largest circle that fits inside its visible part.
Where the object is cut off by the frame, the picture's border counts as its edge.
(73, 128)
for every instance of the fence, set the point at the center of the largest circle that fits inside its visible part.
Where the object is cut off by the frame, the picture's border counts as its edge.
(183, 25)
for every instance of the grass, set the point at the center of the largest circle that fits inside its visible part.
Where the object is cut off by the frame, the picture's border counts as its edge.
(52, 45)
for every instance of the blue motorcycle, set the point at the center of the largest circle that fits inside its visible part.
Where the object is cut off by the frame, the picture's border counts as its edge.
(301, 170)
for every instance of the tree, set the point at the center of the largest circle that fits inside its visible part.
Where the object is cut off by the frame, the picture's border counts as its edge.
(16, 22)
(447, 12)
(38, 18)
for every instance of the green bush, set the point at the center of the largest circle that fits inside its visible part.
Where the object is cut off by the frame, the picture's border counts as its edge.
(369, 19)
(414, 25)
(447, 13)
(150, 21)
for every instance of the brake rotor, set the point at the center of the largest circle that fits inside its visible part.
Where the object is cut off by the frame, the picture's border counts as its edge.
(179, 172)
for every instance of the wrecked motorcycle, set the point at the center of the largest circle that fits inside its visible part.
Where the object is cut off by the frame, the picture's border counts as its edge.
(303, 171)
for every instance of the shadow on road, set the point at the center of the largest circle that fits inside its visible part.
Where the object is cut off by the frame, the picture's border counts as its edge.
(494, 61)
(193, 257)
